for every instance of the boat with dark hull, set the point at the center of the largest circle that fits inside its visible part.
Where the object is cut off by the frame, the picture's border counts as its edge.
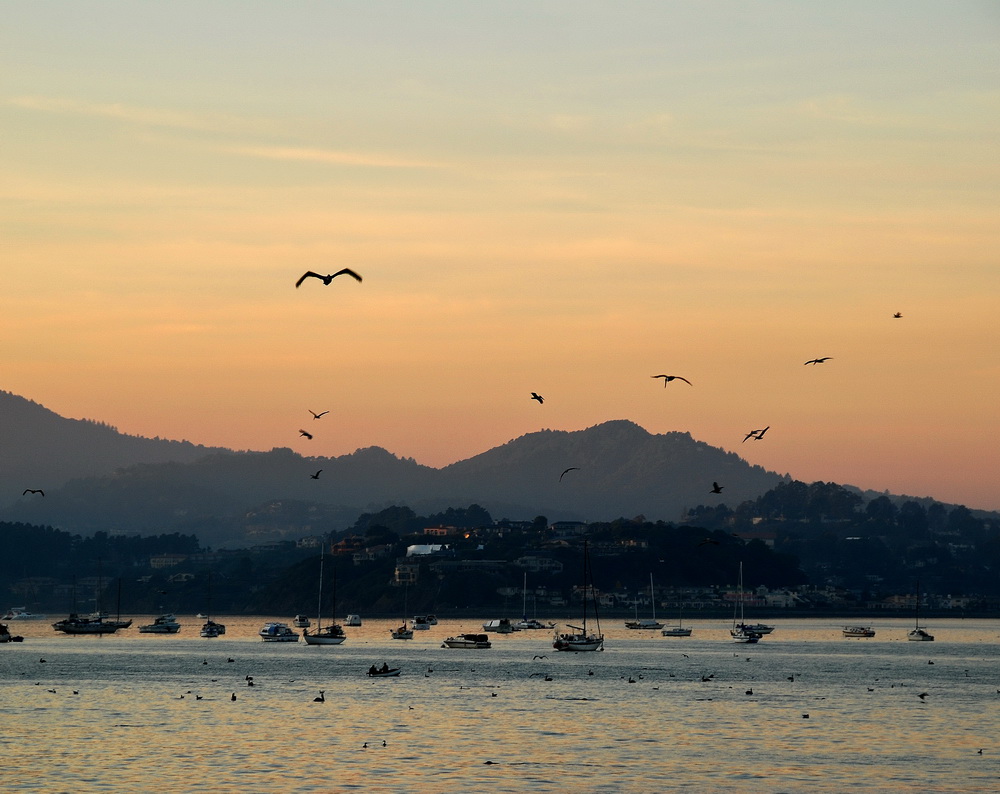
(468, 641)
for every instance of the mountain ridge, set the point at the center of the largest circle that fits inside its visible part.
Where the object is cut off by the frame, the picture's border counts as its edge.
(132, 484)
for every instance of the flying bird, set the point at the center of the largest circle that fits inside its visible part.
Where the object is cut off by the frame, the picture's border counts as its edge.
(33, 490)
(315, 476)
(327, 279)
(668, 378)
(571, 468)
(537, 397)
(317, 415)
(716, 488)
(819, 360)
(897, 315)
(305, 434)
(752, 434)
(760, 435)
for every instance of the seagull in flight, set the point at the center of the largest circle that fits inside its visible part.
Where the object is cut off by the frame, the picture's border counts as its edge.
(33, 490)
(752, 434)
(327, 279)
(318, 415)
(571, 468)
(819, 360)
(760, 434)
(316, 475)
(668, 378)
(897, 315)
(716, 488)
(306, 434)
(537, 397)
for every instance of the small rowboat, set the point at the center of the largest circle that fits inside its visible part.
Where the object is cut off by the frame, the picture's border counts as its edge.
(390, 673)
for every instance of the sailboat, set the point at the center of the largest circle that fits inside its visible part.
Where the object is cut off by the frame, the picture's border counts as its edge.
(740, 632)
(918, 634)
(210, 628)
(583, 640)
(404, 632)
(645, 623)
(324, 635)
(678, 630)
(95, 623)
(525, 622)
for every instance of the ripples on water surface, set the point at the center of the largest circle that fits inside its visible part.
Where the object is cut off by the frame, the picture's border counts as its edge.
(130, 729)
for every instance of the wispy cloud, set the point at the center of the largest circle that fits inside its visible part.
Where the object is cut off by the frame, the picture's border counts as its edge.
(331, 156)
(146, 116)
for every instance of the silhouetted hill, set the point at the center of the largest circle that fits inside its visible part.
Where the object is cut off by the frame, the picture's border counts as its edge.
(121, 483)
(40, 449)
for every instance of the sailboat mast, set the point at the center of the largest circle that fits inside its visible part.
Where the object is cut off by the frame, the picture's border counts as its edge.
(584, 588)
(319, 598)
(652, 598)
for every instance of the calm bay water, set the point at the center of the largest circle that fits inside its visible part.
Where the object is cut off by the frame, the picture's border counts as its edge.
(137, 724)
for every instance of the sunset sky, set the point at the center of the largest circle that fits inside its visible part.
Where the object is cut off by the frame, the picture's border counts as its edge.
(560, 197)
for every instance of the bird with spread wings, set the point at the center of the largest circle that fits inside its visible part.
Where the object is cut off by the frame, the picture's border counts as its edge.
(327, 279)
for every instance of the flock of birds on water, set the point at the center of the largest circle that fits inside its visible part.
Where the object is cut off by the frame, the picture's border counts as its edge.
(327, 279)
(709, 678)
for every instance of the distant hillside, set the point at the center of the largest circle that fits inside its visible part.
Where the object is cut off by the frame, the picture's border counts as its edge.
(40, 449)
(114, 482)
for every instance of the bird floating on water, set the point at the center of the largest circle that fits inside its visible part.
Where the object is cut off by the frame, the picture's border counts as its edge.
(320, 699)
(668, 378)
(327, 279)
(537, 397)
(819, 360)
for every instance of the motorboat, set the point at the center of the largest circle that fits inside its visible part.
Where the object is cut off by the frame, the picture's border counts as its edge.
(758, 628)
(529, 624)
(382, 672)
(581, 639)
(332, 634)
(421, 623)
(6, 636)
(277, 632)
(500, 626)
(353, 620)
(473, 641)
(301, 622)
(858, 631)
(20, 613)
(212, 629)
(431, 620)
(164, 624)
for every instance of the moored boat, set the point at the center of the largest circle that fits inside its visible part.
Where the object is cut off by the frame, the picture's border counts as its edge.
(421, 623)
(402, 633)
(212, 629)
(581, 639)
(324, 635)
(918, 634)
(277, 632)
(680, 630)
(96, 623)
(499, 626)
(301, 622)
(741, 632)
(20, 613)
(648, 624)
(353, 620)
(164, 624)
(6, 636)
(858, 631)
(473, 641)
